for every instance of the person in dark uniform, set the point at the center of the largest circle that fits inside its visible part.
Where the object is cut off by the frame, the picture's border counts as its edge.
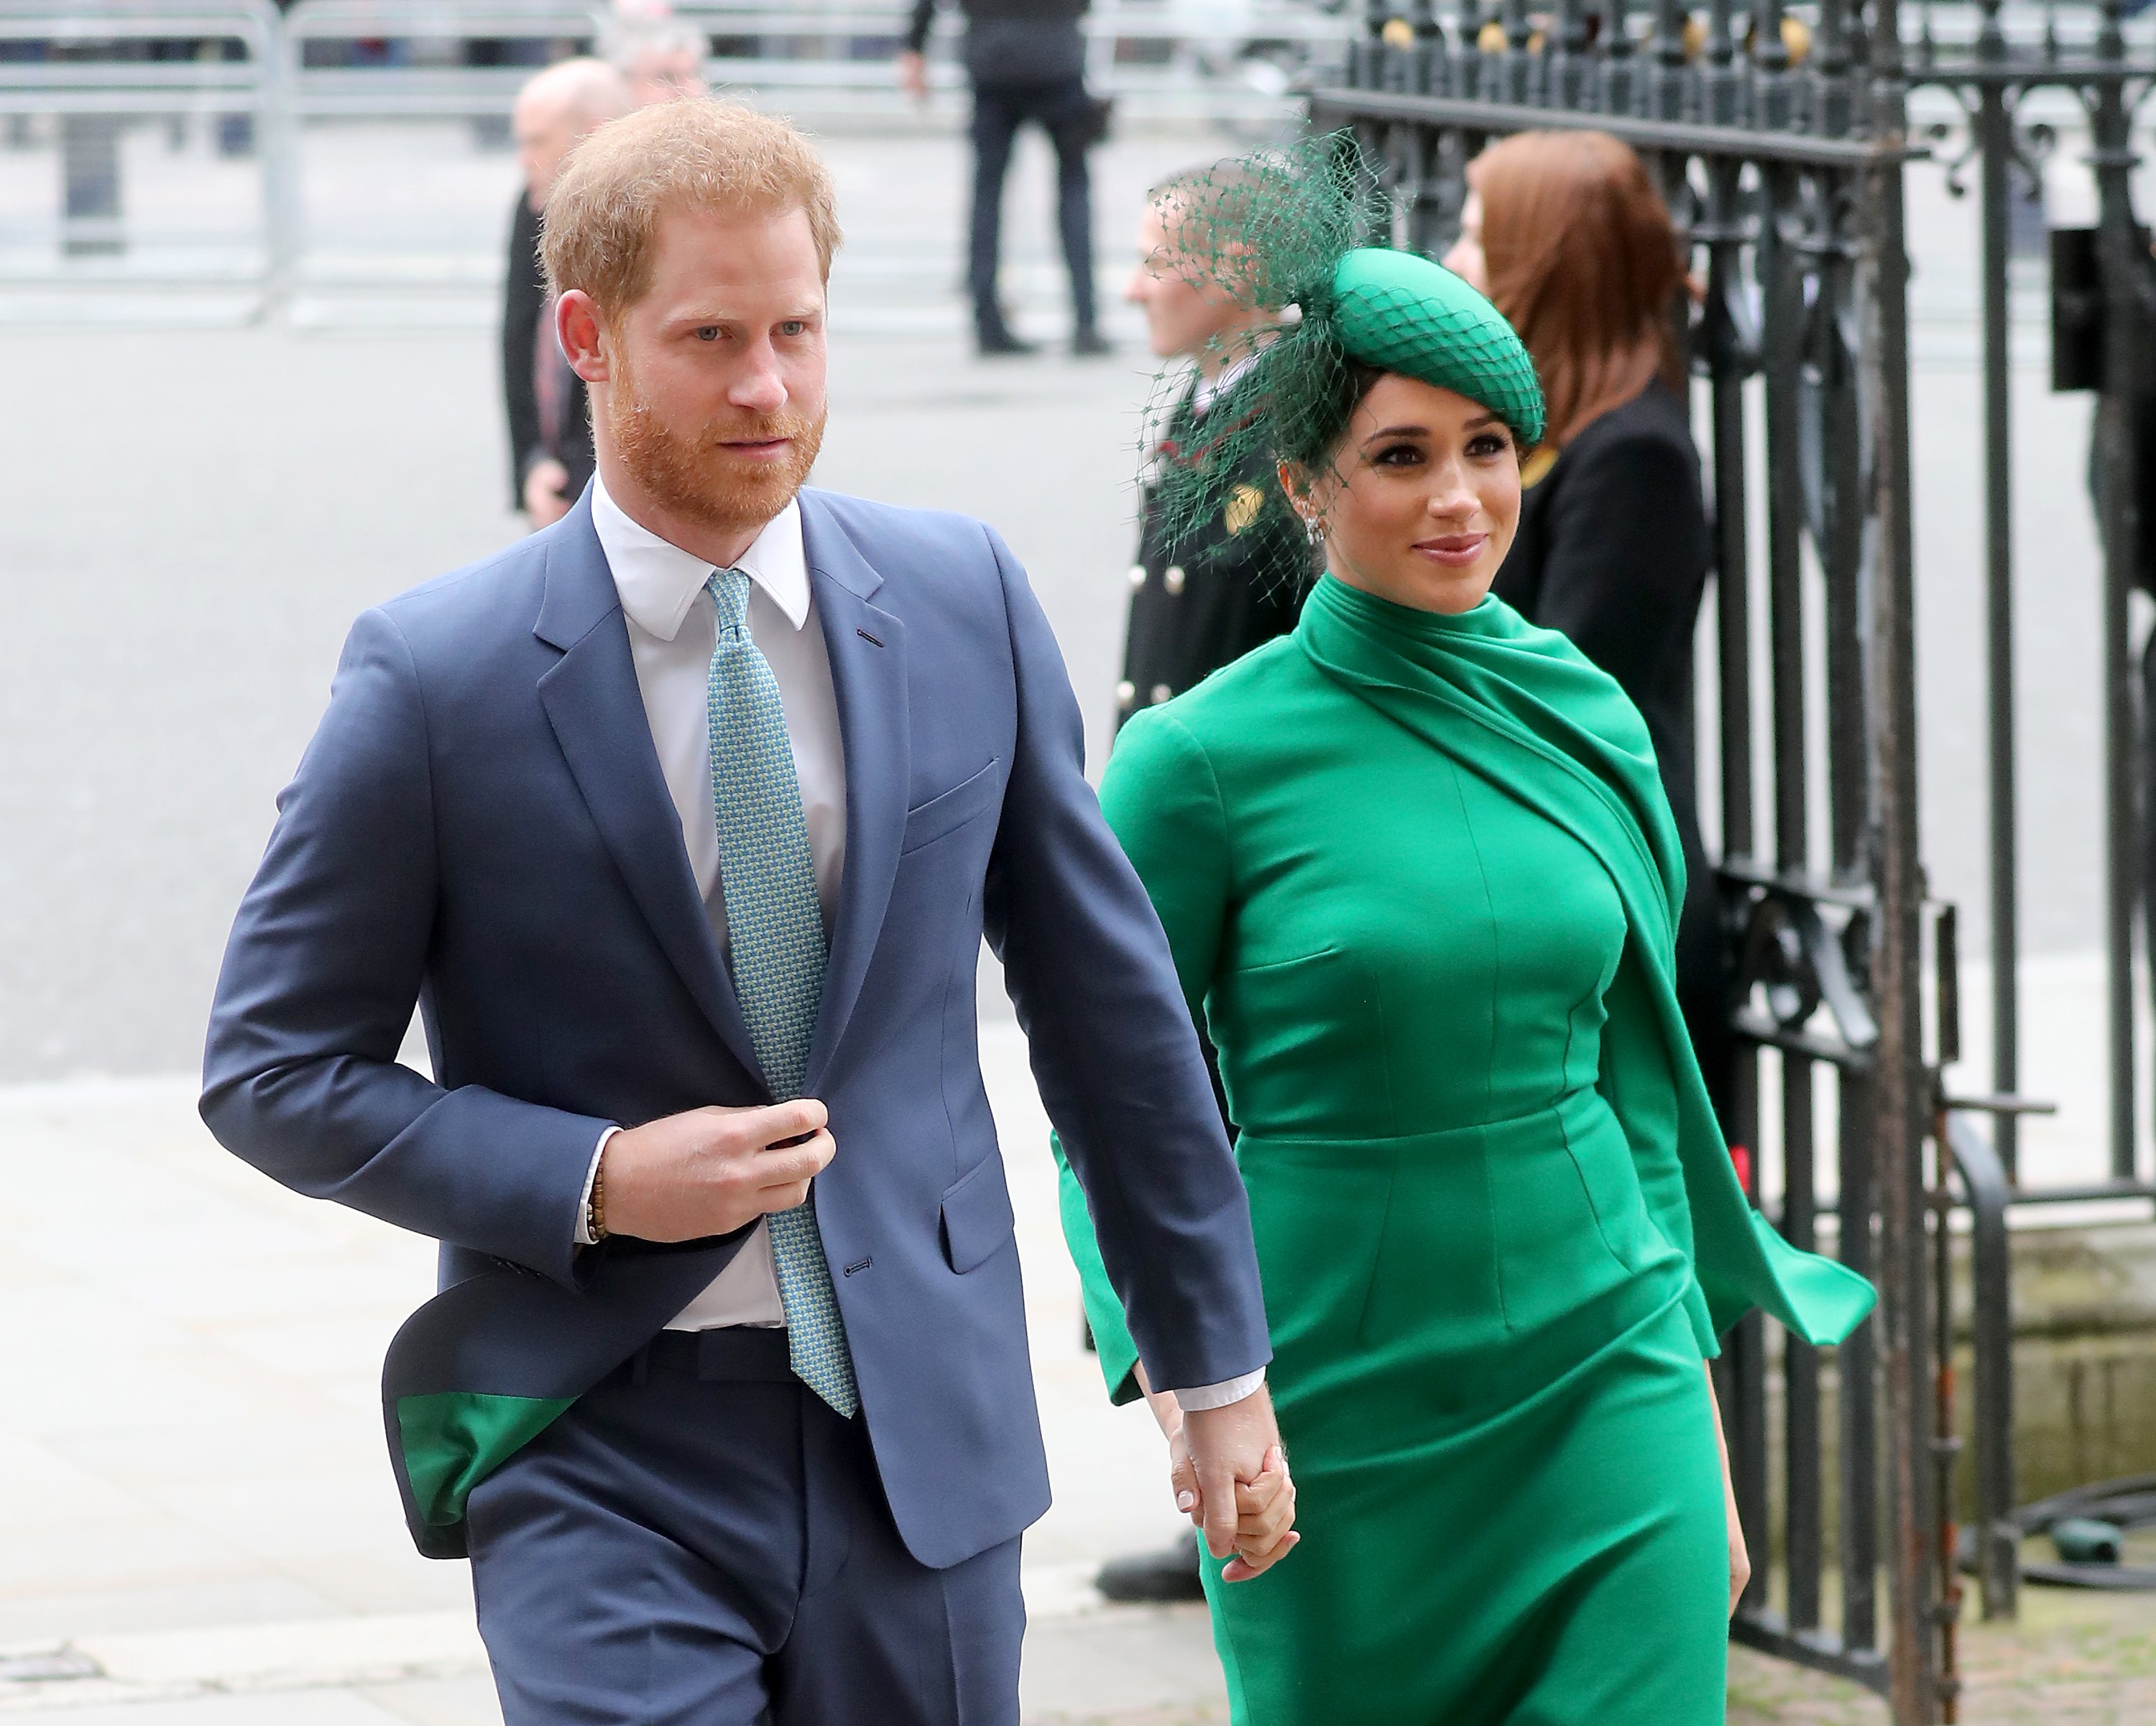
(1204, 592)
(1026, 59)
(1567, 234)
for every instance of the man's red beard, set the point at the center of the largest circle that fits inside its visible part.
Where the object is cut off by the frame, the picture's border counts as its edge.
(693, 473)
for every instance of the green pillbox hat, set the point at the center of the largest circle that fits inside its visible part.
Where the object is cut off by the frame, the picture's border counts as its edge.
(1403, 312)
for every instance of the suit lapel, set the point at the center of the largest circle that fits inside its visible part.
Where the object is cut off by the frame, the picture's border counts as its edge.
(592, 702)
(867, 650)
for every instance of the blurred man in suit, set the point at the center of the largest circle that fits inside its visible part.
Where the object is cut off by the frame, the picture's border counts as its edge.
(550, 428)
(1026, 59)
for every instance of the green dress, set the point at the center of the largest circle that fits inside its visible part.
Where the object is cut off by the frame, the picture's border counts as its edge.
(1419, 874)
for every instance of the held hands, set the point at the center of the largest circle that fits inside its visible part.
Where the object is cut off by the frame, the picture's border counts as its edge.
(713, 1170)
(1230, 1476)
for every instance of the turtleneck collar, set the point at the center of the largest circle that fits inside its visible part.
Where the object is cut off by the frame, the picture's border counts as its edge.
(1366, 613)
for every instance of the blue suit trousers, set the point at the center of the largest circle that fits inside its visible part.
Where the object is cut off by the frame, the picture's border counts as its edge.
(702, 1542)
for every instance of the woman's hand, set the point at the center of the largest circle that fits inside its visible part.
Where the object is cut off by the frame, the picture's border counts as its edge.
(1740, 1558)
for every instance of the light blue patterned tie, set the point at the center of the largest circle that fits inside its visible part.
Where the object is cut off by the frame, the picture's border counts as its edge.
(775, 930)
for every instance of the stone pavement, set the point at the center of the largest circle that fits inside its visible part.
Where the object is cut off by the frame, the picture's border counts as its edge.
(2074, 1659)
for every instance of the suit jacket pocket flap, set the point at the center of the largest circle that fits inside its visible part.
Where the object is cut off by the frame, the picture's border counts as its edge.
(947, 810)
(976, 1216)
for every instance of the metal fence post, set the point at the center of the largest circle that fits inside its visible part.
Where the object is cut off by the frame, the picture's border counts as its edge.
(2123, 266)
(1900, 1086)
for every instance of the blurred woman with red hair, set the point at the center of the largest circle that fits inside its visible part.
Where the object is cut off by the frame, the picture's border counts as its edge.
(1566, 233)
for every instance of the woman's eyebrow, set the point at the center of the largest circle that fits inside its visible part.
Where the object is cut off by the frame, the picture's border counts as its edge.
(1399, 431)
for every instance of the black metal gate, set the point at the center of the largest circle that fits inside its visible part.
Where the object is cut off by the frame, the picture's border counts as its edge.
(1782, 137)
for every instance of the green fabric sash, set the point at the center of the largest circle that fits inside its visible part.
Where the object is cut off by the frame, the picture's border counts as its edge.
(1524, 708)
(452, 1440)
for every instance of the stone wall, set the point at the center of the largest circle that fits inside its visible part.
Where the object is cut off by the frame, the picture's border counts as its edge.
(2084, 1367)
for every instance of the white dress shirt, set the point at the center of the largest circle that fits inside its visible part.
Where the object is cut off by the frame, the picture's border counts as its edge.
(672, 632)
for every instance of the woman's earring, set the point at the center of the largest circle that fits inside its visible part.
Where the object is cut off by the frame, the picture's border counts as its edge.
(1312, 531)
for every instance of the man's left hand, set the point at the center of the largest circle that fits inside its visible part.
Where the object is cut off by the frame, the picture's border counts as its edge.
(1230, 1477)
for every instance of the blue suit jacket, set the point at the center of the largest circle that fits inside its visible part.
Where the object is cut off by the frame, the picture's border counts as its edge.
(480, 824)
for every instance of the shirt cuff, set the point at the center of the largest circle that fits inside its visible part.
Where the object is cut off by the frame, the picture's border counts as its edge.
(1218, 1396)
(590, 1178)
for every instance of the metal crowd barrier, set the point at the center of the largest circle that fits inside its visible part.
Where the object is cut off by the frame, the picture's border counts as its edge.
(435, 79)
(270, 80)
(98, 68)
(1191, 59)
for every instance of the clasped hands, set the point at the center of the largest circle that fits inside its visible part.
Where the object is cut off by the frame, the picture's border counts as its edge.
(1229, 1472)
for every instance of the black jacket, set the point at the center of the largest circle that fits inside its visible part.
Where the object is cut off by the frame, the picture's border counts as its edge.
(523, 305)
(1013, 41)
(1614, 551)
(1207, 596)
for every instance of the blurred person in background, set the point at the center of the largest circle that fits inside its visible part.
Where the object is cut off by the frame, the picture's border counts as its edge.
(1203, 593)
(1568, 235)
(550, 426)
(1026, 60)
(661, 57)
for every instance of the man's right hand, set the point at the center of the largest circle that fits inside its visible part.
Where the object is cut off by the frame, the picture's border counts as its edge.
(544, 484)
(711, 1171)
(913, 75)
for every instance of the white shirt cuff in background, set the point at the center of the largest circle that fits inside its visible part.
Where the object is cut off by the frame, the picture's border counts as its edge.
(590, 1178)
(1218, 1396)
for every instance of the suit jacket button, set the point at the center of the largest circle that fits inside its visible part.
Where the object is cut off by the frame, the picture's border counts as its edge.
(1127, 695)
(1172, 580)
(1138, 577)
(1160, 692)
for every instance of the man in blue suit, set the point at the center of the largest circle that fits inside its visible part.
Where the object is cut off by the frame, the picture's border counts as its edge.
(683, 821)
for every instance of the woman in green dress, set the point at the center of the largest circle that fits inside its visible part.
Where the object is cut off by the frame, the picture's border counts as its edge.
(1421, 880)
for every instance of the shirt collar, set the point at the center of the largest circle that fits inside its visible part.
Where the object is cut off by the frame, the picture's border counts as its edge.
(659, 582)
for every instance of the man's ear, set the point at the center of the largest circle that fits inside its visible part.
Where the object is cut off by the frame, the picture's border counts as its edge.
(583, 335)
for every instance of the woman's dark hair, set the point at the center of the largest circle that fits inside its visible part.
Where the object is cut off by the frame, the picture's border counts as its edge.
(1353, 381)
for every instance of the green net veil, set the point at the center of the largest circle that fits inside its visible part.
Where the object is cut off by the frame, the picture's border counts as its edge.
(1288, 232)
